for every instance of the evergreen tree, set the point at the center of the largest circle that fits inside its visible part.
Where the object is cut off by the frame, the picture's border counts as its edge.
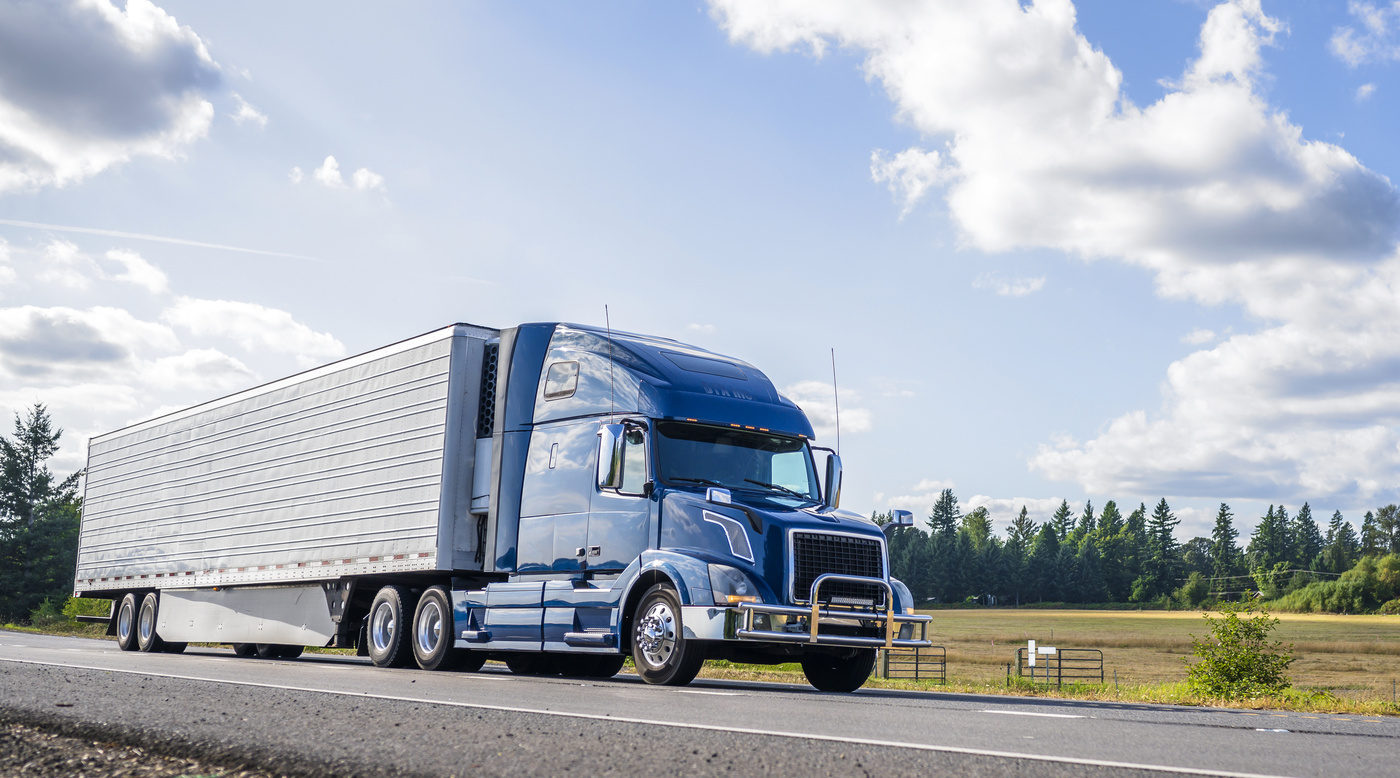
(1063, 520)
(1085, 524)
(1371, 543)
(1109, 540)
(944, 518)
(978, 526)
(38, 518)
(1088, 573)
(1135, 551)
(1224, 551)
(1388, 524)
(1343, 547)
(1163, 559)
(1268, 545)
(1196, 557)
(1307, 540)
(1022, 530)
(1044, 565)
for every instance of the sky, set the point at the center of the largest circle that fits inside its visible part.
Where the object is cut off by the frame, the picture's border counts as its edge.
(1062, 251)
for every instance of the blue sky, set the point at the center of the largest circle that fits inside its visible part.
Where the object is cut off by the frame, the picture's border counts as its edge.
(1099, 250)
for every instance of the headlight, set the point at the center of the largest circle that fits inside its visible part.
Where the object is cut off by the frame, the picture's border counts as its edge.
(731, 586)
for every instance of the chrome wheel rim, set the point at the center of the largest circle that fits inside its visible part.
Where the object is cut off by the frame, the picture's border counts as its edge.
(656, 634)
(124, 623)
(381, 627)
(429, 629)
(147, 624)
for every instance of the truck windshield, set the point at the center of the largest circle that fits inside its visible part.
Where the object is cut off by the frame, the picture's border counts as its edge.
(735, 459)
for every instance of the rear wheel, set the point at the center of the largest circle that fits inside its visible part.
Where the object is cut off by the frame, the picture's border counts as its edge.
(388, 632)
(530, 664)
(289, 652)
(659, 648)
(266, 650)
(839, 673)
(433, 636)
(126, 623)
(146, 637)
(174, 648)
(590, 665)
(244, 649)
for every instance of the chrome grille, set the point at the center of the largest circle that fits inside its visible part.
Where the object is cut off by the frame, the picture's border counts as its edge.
(817, 553)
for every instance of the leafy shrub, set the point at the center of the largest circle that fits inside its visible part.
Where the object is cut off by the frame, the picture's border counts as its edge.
(86, 606)
(1194, 592)
(47, 615)
(1391, 608)
(1237, 660)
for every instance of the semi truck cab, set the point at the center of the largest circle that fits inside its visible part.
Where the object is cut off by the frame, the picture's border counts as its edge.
(654, 499)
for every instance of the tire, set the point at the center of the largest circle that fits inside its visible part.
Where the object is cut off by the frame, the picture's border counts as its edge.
(126, 623)
(174, 648)
(289, 652)
(608, 666)
(244, 649)
(659, 648)
(266, 650)
(433, 635)
(471, 661)
(146, 637)
(830, 673)
(390, 643)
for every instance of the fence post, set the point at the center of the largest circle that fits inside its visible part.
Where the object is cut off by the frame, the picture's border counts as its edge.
(885, 663)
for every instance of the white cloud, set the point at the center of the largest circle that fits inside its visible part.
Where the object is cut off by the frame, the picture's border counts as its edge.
(1375, 41)
(246, 113)
(75, 345)
(204, 370)
(87, 85)
(816, 400)
(254, 327)
(701, 328)
(1008, 287)
(328, 174)
(1198, 336)
(1364, 92)
(910, 173)
(1210, 188)
(1004, 509)
(138, 271)
(66, 265)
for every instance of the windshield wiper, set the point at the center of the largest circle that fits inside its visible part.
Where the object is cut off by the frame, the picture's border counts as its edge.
(783, 489)
(703, 481)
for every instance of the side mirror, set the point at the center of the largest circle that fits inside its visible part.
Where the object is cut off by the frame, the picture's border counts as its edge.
(832, 498)
(610, 437)
(898, 519)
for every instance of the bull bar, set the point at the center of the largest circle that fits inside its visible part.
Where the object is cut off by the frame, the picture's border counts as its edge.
(816, 613)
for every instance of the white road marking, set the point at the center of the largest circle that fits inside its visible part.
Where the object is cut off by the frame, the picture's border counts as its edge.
(1028, 713)
(678, 724)
(703, 691)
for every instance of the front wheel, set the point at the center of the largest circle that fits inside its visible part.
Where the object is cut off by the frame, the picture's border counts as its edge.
(659, 648)
(839, 673)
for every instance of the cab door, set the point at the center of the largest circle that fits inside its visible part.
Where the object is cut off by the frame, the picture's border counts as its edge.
(620, 520)
(555, 495)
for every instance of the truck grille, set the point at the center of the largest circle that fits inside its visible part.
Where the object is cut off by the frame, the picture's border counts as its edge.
(817, 553)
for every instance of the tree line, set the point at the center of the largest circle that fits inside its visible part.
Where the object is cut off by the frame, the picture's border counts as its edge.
(1105, 556)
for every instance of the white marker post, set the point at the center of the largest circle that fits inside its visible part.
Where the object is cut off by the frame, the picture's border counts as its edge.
(1030, 652)
(1047, 651)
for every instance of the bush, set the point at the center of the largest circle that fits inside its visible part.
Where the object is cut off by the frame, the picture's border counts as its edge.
(47, 615)
(1195, 591)
(1237, 660)
(86, 606)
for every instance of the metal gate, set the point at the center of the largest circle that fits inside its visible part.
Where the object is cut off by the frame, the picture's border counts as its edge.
(1072, 665)
(920, 664)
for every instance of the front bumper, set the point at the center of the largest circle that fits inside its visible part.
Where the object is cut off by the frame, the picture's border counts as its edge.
(894, 624)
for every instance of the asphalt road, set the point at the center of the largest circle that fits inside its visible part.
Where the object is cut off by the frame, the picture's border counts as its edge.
(331, 715)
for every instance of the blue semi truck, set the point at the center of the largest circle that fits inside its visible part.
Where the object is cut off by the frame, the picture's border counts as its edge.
(556, 496)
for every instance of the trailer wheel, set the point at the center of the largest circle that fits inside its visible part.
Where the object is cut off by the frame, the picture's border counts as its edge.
(265, 650)
(126, 623)
(174, 648)
(433, 634)
(244, 649)
(830, 673)
(659, 648)
(389, 640)
(289, 652)
(146, 637)
(590, 665)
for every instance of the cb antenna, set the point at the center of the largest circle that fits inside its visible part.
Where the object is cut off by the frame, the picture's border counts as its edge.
(612, 386)
(835, 395)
